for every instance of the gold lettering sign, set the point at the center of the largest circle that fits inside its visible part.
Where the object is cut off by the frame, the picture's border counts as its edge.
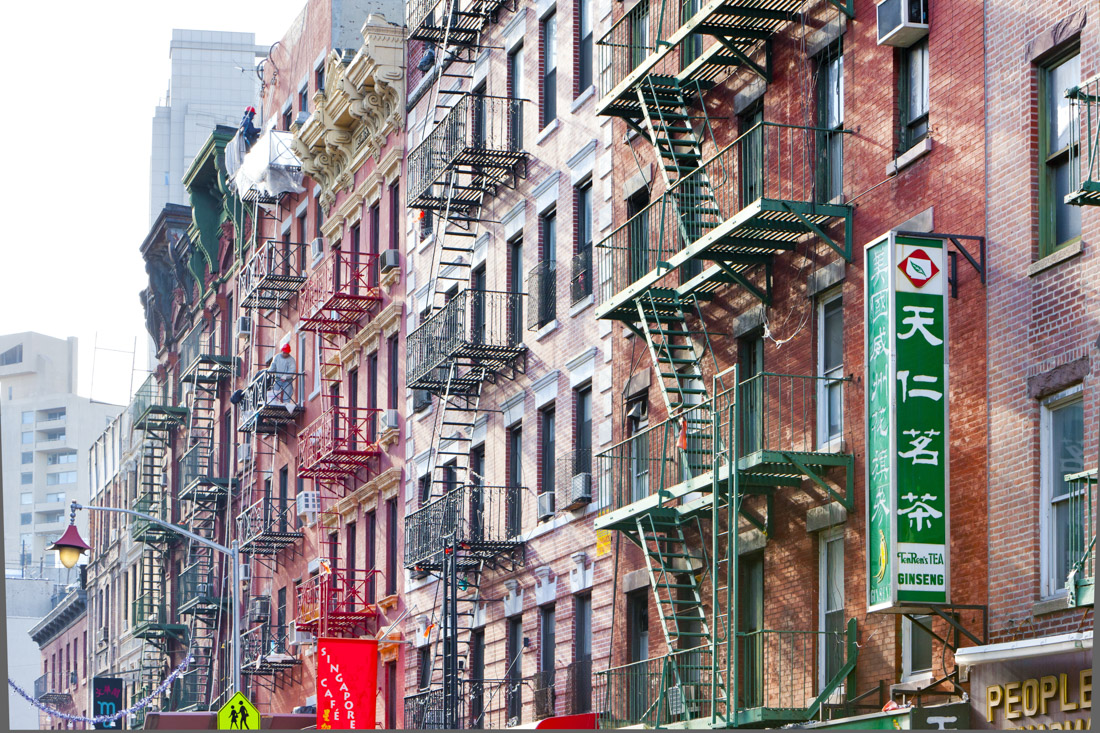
(1036, 696)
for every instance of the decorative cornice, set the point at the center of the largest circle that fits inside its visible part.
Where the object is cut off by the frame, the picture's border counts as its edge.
(363, 103)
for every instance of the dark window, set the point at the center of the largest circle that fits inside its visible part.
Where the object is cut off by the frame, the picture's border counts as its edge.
(372, 397)
(830, 74)
(319, 78)
(913, 94)
(692, 46)
(303, 240)
(375, 222)
(353, 404)
(395, 216)
(479, 118)
(352, 536)
(393, 379)
(391, 546)
(514, 670)
(303, 100)
(515, 312)
(514, 512)
(546, 457)
(424, 667)
(284, 498)
(637, 419)
(372, 561)
(582, 655)
(582, 438)
(1059, 222)
(542, 287)
(751, 363)
(425, 488)
(301, 486)
(280, 610)
(288, 117)
(637, 211)
(750, 615)
(14, 355)
(356, 248)
(515, 92)
(391, 695)
(637, 620)
(477, 672)
(752, 153)
(582, 246)
(584, 46)
(478, 288)
(639, 34)
(549, 29)
(544, 683)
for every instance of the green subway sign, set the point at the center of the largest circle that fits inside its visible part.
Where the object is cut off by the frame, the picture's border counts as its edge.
(908, 513)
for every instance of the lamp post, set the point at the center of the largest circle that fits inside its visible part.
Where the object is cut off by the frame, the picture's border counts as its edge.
(70, 547)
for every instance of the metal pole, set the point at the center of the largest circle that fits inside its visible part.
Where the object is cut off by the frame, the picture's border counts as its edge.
(234, 557)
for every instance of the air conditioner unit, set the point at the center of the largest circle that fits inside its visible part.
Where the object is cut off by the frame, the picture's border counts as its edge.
(390, 420)
(308, 503)
(546, 506)
(389, 260)
(244, 326)
(259, 609)
(245, 572)
(317, 248)
(422, 400)
(581, 492)
(902, 23)
(102, 638)
(296, 637)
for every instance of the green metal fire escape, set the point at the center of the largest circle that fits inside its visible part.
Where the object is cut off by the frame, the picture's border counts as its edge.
(1085, 148)
(155, 414)
(204, 488)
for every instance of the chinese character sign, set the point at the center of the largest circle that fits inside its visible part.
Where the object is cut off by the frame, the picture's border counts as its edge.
(107, 700)
(347, 683)
(907, 428)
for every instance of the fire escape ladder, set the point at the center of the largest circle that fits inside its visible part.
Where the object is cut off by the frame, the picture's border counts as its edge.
(454, 425)
(675, 357)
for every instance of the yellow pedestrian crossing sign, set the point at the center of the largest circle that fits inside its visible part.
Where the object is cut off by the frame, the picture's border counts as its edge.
(238, 714)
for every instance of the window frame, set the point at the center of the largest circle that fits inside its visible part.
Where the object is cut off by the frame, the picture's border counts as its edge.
(584, 74)
(1049, 585)
(907, 125)
(908, 674)
(548, 76)
(826, 442)
(832, 534)
(831, 133)
(1049, 206)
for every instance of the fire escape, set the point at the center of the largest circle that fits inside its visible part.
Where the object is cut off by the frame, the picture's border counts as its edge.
(470, 336)
(154, 412)
(273, 272)
(684, 489)
(1085, 170)
(205, 365)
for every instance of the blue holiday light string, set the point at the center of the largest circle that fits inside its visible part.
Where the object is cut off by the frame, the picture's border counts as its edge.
(143, 703)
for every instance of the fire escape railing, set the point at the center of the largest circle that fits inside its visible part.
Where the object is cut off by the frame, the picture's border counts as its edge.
(476, 137)
(271, 396)
(542, 287)
(201, 349)
(1085, 159)
(337, 601)
(480, 326)
(483, 520)
(1080, 540)
(340, 290)
(425, 19)
(265, 649)
(267, 526)
(338, 443)
(482, 704)
(770, 161)
(575, 485)
(272, 274)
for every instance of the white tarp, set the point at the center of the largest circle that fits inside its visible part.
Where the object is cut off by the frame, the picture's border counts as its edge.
(270, 168)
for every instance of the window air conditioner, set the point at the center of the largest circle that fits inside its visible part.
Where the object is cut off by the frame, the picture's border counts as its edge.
(296, 637)
(245, 572)
(546, 506)
(317, 248)
(582, 488)
(902, 23)
(244, 326)
(389, 260)
(390, 420)
(422, 400)
(309, 503)
(259, 609)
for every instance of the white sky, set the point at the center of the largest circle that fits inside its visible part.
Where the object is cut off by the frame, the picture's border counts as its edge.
(81, 79)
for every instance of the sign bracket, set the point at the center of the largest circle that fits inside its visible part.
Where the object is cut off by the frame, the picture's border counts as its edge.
(957, 240)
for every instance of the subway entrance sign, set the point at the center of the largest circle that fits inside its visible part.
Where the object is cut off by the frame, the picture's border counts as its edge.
(906, 341)
(238, 714)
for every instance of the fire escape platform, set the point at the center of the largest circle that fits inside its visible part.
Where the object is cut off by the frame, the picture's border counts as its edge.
(207, 368)
(207, 489)
(737, 26)
(273, 291)
(466, 24)
(158, 418)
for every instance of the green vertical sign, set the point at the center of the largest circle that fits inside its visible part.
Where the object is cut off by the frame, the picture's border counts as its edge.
(907, 423)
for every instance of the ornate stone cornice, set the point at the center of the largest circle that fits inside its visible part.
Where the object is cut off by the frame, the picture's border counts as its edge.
(364, 101)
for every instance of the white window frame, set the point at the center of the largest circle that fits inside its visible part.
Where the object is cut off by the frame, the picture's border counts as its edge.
(824, 538)
(907, 672)
(1050, 586)
(826, 444)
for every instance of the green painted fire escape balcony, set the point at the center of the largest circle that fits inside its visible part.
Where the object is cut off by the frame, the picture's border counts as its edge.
(153, 407)
(1081, 538)
(750, 202)
(1085, 153)
(151, 617)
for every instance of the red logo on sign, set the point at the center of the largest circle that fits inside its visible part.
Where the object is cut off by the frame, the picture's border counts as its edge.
(918, 267)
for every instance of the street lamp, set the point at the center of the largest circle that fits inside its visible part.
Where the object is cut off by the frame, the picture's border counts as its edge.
(71, 546)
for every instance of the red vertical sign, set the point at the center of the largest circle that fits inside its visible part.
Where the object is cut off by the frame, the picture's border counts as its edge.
(347, 683)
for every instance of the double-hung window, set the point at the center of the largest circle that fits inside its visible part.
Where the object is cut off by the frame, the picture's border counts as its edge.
(831, 119)
(830, 360)
(831, 599)
(1059, 222)
(1062, 449)
(584, 46)
(549, 70)
(913, 94)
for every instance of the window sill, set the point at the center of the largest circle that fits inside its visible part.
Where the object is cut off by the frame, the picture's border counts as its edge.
(547, 131)
(910, 156)
(1057, 257)
(425, 242)
(583, 97)
(1052, 604)
(546, 330)
(580, 305)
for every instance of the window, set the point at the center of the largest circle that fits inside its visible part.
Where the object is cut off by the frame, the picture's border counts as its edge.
(284, 498)
(546, 457)
(637, 625)
(514, 670)
(303, 99)
(544, 683)
(372, 396)
(424, 667)
(28, 417)
(52, 517)
(637, 211)
(582, 247)
(515, 270)
(28, 457)
(63, 477)
(391, 546)
(543, 281)
(831, 603)
(391, 695)
(637, 419)
(374, 222)
(55, 459)
(1059, 222)
(26, 498)
(424, 488)
(582, 654)
(28, 438)
(751, 123)
(55, 435)
(549, 70)
(1062, 449)
(515, 92)
(25, 518)
(27, 477)
(280, 610)
(831, 119)
(584, 46)
(370, 540)
(14, 355)
(913, 94)
(319, 78)
(316, 364)
(393, 379)
(750, 359)
(692, 46)
(582, 425)
(288, 117)
(830, 359)
(395, 216)
(477, 672)
(58, 414)
(639, 34)
(514, 505)
(916, 648)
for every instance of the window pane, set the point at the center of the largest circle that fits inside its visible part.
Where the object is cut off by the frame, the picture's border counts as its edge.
(918, 80)
(28, 418)
(1059, 79)
(26, 498)
(1068, 445)
(833, 337)
(920, 644)
(834, 92)
(1067, 217)
(28, 456)
(28, 438)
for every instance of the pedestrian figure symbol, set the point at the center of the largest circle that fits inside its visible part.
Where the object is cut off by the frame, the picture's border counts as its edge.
(238, 714)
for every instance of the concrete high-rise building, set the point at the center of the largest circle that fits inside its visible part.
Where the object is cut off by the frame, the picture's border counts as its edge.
(212, 82)
(46, 430)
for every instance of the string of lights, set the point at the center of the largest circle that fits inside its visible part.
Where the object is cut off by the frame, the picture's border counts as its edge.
(144, 702)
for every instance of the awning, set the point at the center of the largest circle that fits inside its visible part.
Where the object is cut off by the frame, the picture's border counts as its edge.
(1023, 649)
